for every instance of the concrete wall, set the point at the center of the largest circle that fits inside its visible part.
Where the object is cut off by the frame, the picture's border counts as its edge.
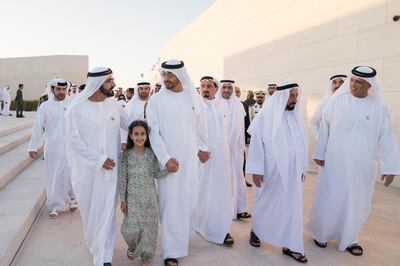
(306, 41)
(35, 72)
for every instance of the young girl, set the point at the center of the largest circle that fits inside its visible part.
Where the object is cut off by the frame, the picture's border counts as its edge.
(137, 190)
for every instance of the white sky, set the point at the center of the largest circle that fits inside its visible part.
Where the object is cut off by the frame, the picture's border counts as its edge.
(126, 35)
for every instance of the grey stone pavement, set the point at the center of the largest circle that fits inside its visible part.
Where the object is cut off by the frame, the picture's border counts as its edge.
(60, 242)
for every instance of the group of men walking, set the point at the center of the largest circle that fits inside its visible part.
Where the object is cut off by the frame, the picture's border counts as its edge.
(203, 135)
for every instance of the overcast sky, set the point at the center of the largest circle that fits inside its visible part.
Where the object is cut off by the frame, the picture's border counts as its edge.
(126, 35)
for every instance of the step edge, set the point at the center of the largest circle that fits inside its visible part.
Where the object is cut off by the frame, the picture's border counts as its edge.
(20, 236)
(16, 170)
(7, 147)
(12, 130)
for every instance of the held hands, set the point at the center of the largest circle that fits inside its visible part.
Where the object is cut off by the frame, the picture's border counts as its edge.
(204, 156)
(388, 179)
(124, 207)
(258, 179)
(320, 162)
(172, 165)
(32, 154)
(109, 164)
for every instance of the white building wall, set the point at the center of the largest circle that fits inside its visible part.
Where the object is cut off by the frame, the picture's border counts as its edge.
(35, 72)
(259, 41)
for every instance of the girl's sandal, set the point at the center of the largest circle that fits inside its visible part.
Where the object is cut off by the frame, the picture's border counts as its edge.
(146, 262)
(130, 253)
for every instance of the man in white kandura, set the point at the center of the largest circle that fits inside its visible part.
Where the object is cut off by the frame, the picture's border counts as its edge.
(334, 83)
(136, 106)
(93, 145)
(6, 98)
(50, 121)
(355, 125)
(215, 203)
(277, 159)
(234, 107)
(174, 115)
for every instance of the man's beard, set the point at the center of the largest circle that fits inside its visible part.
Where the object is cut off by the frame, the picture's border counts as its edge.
(290, 107)
(226, 96)
(143, 95)
(206, 94)
(107, 93)
(60, 97)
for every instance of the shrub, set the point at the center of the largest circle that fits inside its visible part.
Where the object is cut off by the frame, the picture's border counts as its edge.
(28, 105)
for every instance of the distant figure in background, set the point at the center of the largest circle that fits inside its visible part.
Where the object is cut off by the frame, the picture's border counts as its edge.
(246, 126)
(19, 101)
(135, 108)
(250, 98)
(271, 88)
(157, 87)
(255, 109)
(1, 99)
(122, 100)
(6, 97)
(43, 98)
(334, 83)
(82, 87)
(129, 94)
(50, 121)
(72, 90)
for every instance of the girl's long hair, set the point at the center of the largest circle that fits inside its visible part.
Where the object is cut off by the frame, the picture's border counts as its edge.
(136, 123)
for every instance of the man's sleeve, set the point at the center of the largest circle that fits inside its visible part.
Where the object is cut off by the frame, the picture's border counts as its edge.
(323, 135)
(255, 157)
(157, 142)
(389, 148)
(37, 130)
(82, 153)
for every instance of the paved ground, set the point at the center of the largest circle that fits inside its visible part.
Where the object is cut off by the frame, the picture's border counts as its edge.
(11, 121)
(60, 242)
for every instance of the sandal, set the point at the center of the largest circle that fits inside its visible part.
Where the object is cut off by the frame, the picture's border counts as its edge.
(53, 215)
(355, 250)
(243, 215)
(320, 244)
(73, 205)
(229, 241)
(146, 262)
(171, 262)
(254, 240)
(130, 253)
(294, 255)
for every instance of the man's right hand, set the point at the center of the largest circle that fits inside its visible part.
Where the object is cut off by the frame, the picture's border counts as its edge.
(320, 162)
(32, 154)
(257, 180)
(109, 164)
(172, 165)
